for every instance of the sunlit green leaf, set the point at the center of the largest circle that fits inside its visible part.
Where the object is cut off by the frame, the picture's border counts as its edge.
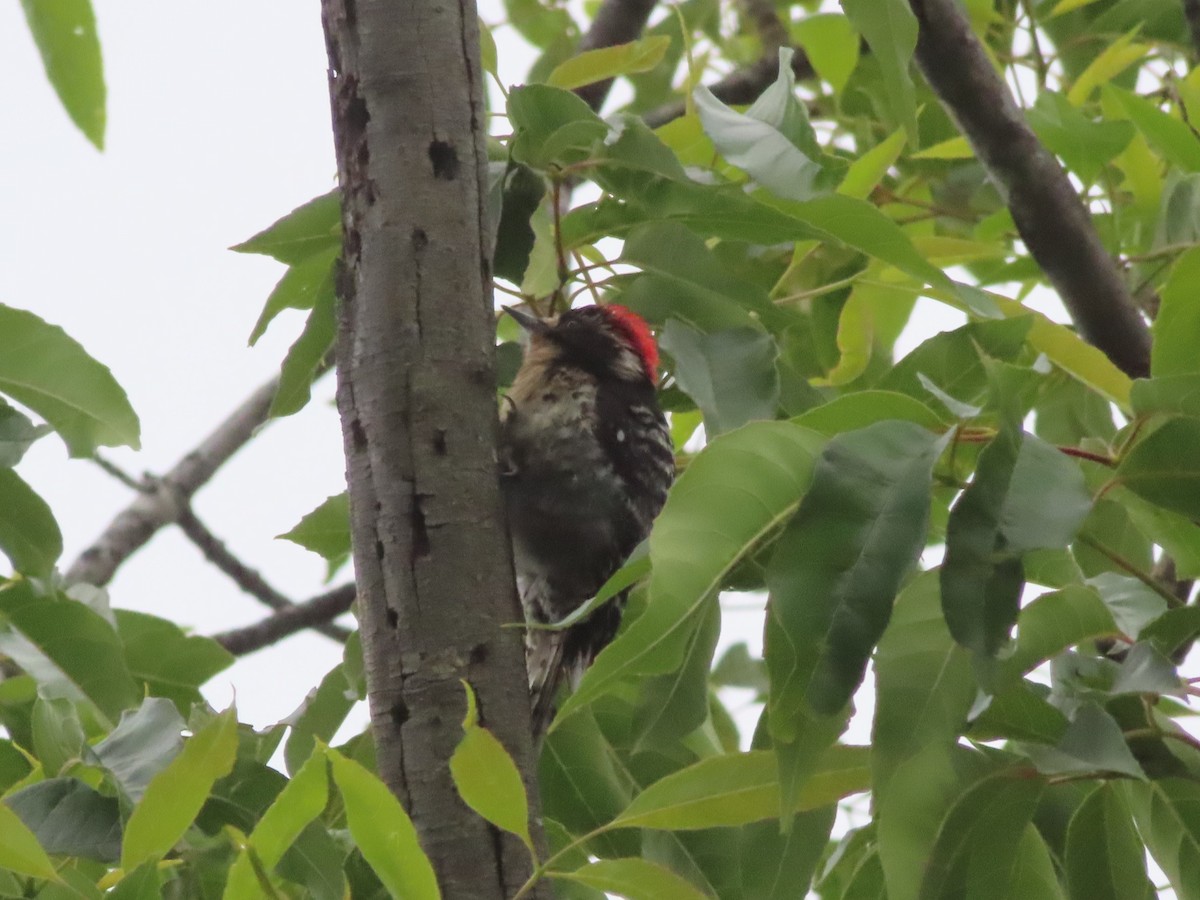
(65, 34)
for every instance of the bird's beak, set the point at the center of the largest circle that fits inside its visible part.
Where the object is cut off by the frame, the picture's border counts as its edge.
(532, 324)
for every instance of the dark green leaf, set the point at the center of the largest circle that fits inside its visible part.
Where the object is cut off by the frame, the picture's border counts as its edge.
(29, 535)
(71, 650)
(17, 433)
(65, 34)
(70, 818)
(730, 374)
(837, 568)
(318, 717)
(166, 661)
(1168, 818)
(1164, 467)
(522, 190)
(58, 737)
(49, 372)
(706, 527)
(634, 879)
(142, 745)
(1093, 742)
(1105, 856)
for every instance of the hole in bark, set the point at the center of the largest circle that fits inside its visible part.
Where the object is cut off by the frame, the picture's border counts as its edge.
(420, 240)
(358, 435)
(357, 115)
(479, 654)
(439, 442)
(393, 618)
(420, 538)
(379, 550)
(445, 160)
(400, 713)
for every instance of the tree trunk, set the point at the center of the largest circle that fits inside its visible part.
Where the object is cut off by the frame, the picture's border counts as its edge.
(416, 392)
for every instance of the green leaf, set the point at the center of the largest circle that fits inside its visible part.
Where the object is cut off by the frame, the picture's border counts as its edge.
(58, 737)
(325, 531)
(671, 706)
(584, 784)
(739, 788)
(383, 832)
(1172, 394)
(304, 232)
(49, 372)
(299, 288)
(839, 564)
(633, 878)
(772, 141)
(831, 44)
(730, 374)
(1105, 856)
(923, 682)
(175, 795)
(29, 534)
(521, 191)
(740, 488)
(1172, 138)
(776, 866)
(70, 818)
(301, 801)
(70, 650)
(65, 34)
(609, 62)
(1085, 146)
(1168, 818)
(1178, 321)
(144, 743)
(890, 28)
(1055, 622)
(17, 434)
(20, 851)
(866, 172)
(851, 412)
(306, 355)
(318, 717)
(976, 848)
(167, 662)
(1164, 467)
(487, 778)
(1092, 742)
(143, 883)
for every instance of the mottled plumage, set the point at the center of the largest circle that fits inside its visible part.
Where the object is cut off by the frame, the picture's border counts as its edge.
(586, 464)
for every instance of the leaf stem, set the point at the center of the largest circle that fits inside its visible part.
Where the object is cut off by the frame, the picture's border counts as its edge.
(1121, 562)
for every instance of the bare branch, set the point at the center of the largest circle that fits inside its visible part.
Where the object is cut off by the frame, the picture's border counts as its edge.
(616, 22)
(133, 527)
(248, 579)
(313, 613)
(1045, 207)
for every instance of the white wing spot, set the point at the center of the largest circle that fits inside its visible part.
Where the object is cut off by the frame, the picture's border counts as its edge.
(620, 435)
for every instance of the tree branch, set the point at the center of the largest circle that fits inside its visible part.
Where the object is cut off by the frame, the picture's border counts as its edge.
(616, 22)
(162, 503)
(1191, 12)
(315, 613)
(1048, 213)
(248, 579)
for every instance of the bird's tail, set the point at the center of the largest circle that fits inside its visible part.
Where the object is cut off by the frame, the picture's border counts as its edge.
(543, 657)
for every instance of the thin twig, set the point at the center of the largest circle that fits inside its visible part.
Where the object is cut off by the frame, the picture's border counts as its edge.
(320, 609)
(248, 579)
(133, 527)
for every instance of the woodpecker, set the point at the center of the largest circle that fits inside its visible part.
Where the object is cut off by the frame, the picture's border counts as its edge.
(586, 461)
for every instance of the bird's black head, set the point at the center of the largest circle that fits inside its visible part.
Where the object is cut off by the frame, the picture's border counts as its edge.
(605, 340)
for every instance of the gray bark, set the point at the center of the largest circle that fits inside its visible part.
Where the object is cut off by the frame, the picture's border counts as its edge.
(416, 392)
